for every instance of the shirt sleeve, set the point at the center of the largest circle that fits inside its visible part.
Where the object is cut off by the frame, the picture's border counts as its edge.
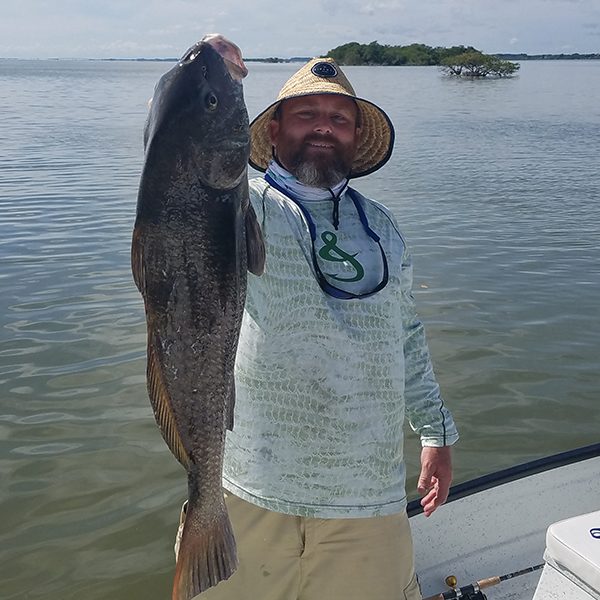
(425, 409)
(257, 190)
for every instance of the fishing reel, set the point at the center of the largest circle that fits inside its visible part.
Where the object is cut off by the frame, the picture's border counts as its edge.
(473, 591)
(468, 592)
(478, 595)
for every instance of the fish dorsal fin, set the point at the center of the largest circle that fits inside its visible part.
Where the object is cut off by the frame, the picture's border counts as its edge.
(255, 243)
(161, 403)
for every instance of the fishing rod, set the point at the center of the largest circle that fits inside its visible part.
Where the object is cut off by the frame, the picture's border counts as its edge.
(473, 590)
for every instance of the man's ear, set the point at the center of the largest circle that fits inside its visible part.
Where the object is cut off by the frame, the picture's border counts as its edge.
(274, 131)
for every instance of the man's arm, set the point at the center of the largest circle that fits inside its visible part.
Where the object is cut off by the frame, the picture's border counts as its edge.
(425, 408)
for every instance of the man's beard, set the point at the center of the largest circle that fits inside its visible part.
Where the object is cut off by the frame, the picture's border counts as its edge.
(325, 172)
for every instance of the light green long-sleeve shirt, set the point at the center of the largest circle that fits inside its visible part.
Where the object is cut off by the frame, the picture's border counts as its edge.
(323, 384)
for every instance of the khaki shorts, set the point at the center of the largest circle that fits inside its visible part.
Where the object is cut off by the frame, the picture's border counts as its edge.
(283, 557)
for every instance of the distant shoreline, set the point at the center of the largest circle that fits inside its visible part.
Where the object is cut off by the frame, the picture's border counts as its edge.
(294, 59)
(304, 59)
(575, 56)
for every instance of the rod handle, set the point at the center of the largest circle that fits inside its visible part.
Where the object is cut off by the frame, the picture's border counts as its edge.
(484, 583)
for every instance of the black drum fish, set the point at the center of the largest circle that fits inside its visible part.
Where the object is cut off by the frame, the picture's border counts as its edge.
(195, 236)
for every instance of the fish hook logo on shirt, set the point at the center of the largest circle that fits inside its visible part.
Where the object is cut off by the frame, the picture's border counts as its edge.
(332, 252)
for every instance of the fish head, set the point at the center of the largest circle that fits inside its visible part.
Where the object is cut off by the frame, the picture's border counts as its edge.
(197, 114)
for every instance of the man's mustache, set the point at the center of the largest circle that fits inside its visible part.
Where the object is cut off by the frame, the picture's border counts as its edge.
(320, 139)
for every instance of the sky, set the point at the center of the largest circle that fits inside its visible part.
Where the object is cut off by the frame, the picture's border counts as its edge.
(285, 28)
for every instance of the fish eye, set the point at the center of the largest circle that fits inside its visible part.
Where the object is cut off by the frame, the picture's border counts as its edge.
(211, 102)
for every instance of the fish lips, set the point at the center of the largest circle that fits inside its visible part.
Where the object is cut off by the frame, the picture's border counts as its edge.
(230, 52)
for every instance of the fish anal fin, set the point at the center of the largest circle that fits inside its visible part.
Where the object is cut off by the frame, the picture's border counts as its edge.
(207, 553)
(161, 403)
(255, 244)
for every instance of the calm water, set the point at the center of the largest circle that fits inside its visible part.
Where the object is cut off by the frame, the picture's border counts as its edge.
(496, 185)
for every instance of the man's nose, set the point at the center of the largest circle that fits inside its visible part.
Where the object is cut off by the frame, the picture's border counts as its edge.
(323, 125)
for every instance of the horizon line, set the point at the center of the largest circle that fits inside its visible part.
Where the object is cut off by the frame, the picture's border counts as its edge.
(273, 58)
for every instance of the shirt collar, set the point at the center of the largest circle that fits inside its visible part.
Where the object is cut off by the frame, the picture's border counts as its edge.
(300, 190)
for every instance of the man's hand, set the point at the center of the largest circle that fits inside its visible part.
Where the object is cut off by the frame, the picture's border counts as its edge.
(435, 478)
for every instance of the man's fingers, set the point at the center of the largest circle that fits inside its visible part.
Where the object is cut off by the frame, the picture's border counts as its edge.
(443, 490)
(422, 487)
(430, 502)
(426, 481)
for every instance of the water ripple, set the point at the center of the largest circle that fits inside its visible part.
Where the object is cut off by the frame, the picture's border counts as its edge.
(495, 186)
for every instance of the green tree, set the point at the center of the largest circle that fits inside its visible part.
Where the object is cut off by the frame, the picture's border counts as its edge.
(395, 56)
(476, 64)
(419, 54)
(461, 61)
(352, 56)
(373, 54)
(348, 54)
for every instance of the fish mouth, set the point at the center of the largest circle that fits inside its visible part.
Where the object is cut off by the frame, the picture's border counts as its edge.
(237, 72)
(227, 50)
(230, 53)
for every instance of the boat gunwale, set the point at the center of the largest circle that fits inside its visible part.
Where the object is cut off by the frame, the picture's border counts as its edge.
(497, 478)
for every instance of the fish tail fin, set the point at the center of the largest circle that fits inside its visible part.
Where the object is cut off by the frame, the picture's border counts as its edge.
(207, 555)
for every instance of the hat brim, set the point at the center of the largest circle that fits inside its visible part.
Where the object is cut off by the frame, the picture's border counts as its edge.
(375, 143)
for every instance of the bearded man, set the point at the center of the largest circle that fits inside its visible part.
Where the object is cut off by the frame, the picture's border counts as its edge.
(331, 358)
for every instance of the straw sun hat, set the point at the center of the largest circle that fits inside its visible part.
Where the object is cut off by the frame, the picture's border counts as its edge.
(323, 76)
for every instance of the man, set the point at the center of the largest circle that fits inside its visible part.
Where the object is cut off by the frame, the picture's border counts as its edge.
(331, 354)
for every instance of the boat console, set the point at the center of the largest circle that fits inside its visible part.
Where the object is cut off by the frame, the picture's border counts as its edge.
(572, 569)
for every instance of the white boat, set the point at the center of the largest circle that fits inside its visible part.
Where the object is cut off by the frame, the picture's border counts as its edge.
(541, 518)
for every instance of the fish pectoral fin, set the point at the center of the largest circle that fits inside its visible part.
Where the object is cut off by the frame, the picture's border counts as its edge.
(137, 259)
(161, 404)
(255, 243)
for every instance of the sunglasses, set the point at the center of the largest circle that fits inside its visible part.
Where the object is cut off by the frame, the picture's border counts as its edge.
(324, 284)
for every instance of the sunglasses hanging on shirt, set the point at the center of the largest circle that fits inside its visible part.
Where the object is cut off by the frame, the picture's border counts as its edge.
(324, 284)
